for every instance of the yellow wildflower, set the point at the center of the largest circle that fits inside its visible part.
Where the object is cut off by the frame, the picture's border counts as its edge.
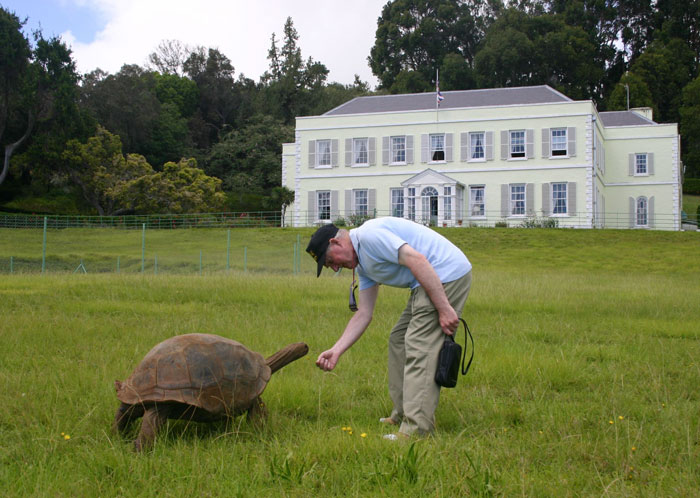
(634, 448)
(621, 417)
(364, 434)
(66, 437)
(611, 422)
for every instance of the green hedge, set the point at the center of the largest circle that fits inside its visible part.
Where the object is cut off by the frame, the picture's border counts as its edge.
(691, 186)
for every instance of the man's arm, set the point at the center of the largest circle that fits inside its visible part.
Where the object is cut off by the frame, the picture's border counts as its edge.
(353, 331)
(428, 279)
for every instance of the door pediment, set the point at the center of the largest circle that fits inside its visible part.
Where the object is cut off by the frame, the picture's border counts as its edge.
(430, 177)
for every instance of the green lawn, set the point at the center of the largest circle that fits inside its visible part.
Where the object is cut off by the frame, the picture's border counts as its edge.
(585, 377)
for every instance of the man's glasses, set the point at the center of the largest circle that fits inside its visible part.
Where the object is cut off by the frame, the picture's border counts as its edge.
(352, 302)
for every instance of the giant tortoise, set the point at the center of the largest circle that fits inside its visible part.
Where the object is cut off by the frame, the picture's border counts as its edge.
(201, 377)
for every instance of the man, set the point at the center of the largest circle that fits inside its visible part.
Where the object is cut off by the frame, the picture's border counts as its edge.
(400, 253)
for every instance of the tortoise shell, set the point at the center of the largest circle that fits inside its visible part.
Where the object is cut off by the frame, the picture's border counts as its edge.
(207, 371)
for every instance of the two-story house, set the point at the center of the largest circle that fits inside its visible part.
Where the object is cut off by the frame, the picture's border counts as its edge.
(505, 156)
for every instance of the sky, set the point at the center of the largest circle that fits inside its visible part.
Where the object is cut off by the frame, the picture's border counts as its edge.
(107, 34)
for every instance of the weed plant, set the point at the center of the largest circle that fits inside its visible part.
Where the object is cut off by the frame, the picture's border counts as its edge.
(584, 383)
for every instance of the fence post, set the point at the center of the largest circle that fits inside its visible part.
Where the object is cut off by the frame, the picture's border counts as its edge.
(228, 250)
(143, 247)
(43, 251)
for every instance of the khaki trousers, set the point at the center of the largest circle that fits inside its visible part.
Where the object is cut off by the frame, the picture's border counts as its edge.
(414, 345)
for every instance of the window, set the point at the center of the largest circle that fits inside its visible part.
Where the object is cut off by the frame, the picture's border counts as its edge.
(559, 142)
(437, 147)
(517, 199)
(476, 201)
(323, 153)
(360, 201)
(323, 203)
(559, 198)
(447, 203)
(476, 142)
(642, 212)
(411, 204)
(360, 154)
(397, 202)
(398, 149)
(640, 164)
(517, 143)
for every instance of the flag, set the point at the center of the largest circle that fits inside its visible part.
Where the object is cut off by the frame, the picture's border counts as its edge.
(439, 97)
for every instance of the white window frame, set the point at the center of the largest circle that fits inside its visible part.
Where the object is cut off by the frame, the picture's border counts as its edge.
(322, 156)
(323, 203)
(360, 199)
(410, 201)
(477, 201)
(447, 202)
(560, 198)
(358, 152)
(516, 142)
(398, 149)
(397, 202)
(558, 137)
(641, 212)
(517, 200)
(474, 146)
(436, 145)
(641, 159)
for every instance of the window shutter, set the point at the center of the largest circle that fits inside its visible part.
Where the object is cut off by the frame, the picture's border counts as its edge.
(311, 208)
(371, 201)
(571, 136)
(348, 202)
(488, 139)
(386, 144)
(571, 201)
(530, 199)
(334, 205)
(464, 147)
(348, 152)
(545, 199)
(334, 152)
(545, 143)
(530, 143)
(504, 199)
(409, 149)
(372, 151)
(504, 145)
(448, 146)
(650, 163)
(650, 212)
(312, 153)
(633, 212)
(631, 164)
(424, 148)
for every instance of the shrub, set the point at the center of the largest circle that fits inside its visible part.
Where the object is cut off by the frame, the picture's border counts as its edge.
(691, 186)
(535, 222)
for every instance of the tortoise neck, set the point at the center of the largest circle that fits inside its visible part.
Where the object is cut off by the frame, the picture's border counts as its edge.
(286, 355)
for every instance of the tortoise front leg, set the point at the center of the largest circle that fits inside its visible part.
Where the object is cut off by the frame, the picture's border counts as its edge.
(257, 413)
(125, 414)
(153, 419)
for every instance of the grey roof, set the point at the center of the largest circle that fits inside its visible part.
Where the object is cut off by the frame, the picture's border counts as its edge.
(453, 100)
(623, 118)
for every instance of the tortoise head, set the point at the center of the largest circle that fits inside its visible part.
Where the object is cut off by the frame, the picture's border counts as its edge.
(287, 355)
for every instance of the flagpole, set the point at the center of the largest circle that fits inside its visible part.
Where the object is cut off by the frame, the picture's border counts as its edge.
(437, 95)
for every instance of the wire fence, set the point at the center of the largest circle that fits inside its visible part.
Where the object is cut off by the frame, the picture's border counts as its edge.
(266, 219)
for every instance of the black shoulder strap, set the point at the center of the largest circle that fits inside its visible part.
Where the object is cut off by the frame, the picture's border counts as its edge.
(466, 344)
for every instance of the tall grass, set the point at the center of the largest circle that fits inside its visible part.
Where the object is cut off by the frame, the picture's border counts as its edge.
(584, 381)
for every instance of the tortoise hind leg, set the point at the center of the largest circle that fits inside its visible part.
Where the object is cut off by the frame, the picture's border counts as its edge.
(125, 414)
(257, 413)
(153, 419)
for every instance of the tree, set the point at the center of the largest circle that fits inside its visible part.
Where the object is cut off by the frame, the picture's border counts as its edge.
(180, 188)
(415, 36)
(690, 128)
(639, 94)
(280, 198)
(170, 57)
(99, 169)
(36, 83)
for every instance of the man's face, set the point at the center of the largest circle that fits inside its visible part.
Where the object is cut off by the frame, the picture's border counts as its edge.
(340, 254)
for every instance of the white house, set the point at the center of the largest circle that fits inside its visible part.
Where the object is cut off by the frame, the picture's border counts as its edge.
(505, 155)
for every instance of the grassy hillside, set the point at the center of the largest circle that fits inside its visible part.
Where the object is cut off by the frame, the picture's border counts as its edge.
(584, 380)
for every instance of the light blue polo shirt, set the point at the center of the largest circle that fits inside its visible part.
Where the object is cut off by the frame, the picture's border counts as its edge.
(377, 244)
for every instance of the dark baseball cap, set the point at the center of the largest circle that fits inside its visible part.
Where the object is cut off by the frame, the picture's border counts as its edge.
(318, 245)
